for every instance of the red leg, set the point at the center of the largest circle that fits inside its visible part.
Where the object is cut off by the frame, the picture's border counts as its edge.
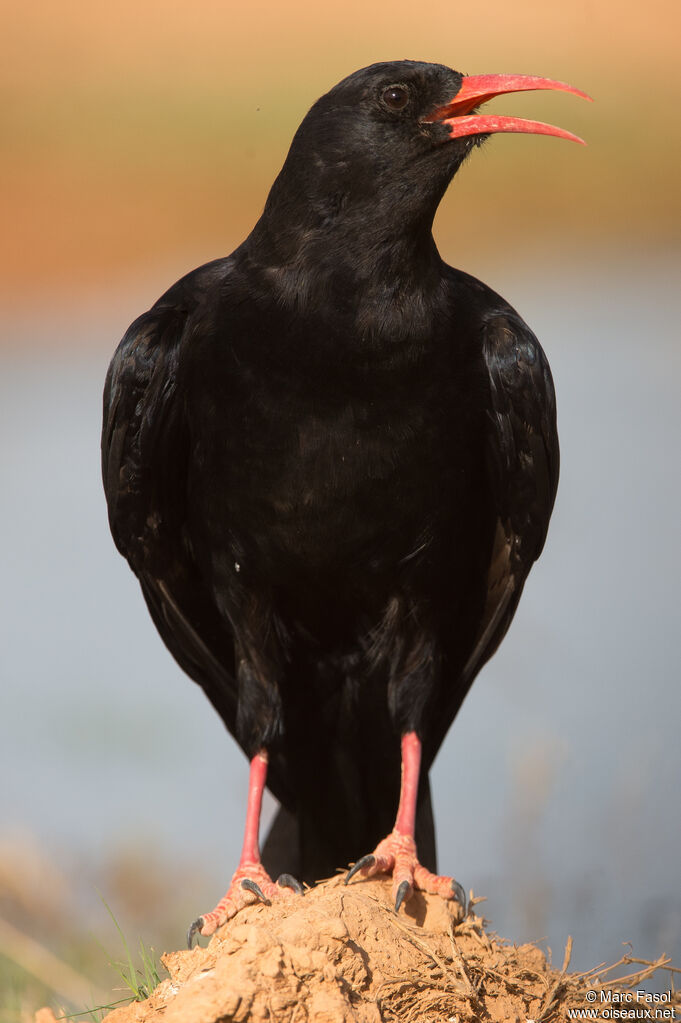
(397, 854)
(250, 882)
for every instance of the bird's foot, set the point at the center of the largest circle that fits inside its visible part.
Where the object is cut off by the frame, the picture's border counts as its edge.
(250, 883)
(397, 855)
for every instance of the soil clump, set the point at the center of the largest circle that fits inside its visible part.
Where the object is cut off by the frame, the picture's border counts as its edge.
(340, 954)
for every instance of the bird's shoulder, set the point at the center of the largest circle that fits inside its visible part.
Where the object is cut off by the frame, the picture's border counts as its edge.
(144, 438)
(519, 395)
(522, 436)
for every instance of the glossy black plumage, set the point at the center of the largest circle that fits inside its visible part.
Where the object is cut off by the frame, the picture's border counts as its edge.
(331, 460)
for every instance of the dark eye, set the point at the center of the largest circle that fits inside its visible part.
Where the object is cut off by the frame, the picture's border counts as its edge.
(395, 97)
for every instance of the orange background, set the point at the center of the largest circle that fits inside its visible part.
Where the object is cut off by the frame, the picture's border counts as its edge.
(141, 138)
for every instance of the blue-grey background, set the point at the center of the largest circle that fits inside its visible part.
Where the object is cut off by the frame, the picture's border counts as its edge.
(556, 792)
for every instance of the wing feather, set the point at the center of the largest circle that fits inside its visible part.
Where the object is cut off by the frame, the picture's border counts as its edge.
(145, 455)
(522, 459)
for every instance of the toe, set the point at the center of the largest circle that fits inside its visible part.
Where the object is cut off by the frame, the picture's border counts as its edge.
(252, 886)
(459, 894)
(436, 884)
(251, 883)
(289, 881)
(367, 865)
(404, 890)
(397, 855)
(194, 928)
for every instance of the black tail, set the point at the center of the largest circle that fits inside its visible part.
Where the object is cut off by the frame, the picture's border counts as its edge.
(314, 845)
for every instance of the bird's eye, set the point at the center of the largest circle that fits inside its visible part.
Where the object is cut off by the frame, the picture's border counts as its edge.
(395, 97)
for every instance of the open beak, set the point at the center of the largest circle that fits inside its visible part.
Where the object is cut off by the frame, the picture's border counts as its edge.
(478, 89)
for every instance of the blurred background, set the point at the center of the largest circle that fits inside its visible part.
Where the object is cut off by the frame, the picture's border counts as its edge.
(139, 140)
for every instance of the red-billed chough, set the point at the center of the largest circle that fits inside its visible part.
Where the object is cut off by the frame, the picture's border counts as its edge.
(331, 459)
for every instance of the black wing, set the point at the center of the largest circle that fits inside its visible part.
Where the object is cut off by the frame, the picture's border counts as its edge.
(522, 461)
(145, 452)
(521, 465)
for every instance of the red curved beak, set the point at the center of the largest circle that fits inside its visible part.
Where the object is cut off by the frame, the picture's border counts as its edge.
(478, 89)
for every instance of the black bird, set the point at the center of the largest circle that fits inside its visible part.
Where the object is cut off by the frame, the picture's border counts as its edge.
(331, 459)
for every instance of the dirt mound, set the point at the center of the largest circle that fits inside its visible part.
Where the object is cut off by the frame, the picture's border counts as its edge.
(340, 954)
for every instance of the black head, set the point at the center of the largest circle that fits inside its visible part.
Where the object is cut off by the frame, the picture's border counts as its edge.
(368, 145)
(373, 157)
(377, 118)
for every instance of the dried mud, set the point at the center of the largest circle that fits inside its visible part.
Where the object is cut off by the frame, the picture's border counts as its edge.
(340, 954)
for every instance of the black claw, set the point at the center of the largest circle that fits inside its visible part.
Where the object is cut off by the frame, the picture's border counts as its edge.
(402, 893)
(251, 886)
(289, 881)
(194, 929)
(366, 861)
(459, 894)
